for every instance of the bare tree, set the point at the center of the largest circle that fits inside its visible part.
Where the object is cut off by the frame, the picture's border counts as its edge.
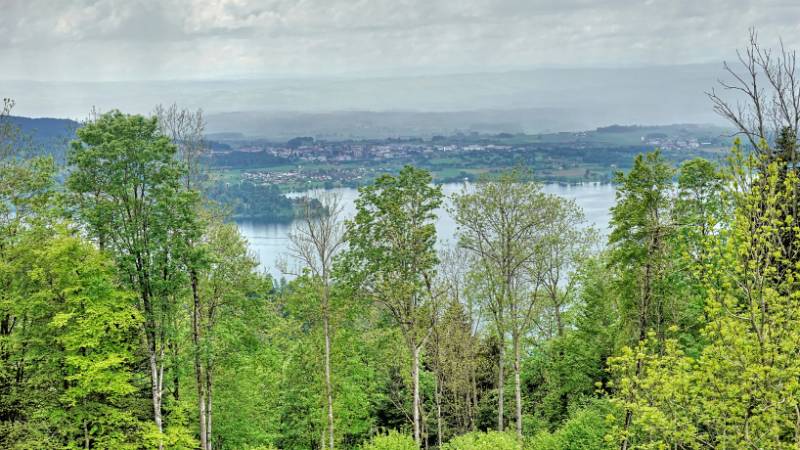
(767, 111)
(315, 241)
(186, 129)
(762, 98)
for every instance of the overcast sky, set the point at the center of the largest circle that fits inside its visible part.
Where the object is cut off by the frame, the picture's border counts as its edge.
(577, 63)
(210, 39)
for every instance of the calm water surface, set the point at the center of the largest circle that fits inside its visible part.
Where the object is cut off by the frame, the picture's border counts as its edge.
(270, 241)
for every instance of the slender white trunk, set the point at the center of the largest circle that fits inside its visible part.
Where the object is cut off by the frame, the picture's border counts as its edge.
(438, 412)
(328, 383)
(415, 382)
(208, 409)
(156, 394)
(198, 365)
(500, 385)
(517, 386)
(86, 440)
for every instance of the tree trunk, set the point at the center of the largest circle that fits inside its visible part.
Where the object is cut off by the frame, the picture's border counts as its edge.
(416, 401)
(501, 385)
(438, 412)
(328, 383)
(474, 408)
(517, 386)
(176, 381)
(559, 324)
(86, 440)
(198, 366)
(156, 392)
(209, 384)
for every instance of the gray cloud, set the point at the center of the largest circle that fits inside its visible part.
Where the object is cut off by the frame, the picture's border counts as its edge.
(190, 39)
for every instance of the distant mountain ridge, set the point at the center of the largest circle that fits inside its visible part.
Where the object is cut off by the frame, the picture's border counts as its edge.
(45, 135)
(45, 127)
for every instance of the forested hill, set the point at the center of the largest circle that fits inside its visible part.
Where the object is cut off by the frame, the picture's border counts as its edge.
(46, 135)
(45, 127)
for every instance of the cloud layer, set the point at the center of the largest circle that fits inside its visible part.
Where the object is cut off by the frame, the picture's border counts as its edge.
(200, 39)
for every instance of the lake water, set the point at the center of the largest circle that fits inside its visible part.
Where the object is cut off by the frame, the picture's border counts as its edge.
(270, 241)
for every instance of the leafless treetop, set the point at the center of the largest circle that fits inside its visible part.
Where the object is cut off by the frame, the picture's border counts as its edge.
(763, 96)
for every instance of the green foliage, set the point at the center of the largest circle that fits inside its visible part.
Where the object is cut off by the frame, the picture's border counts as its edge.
(391, 441)
(126, 189)
(741, 390)
(80, 330)
(255, 201)
(586, 429)
(393, 234)
(491, 440)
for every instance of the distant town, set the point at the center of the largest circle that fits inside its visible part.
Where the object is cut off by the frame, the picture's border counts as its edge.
(567, 157)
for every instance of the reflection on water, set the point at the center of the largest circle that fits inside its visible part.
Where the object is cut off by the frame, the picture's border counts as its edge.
(270, 241)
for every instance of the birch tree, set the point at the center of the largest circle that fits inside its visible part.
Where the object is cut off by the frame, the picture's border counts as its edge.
(501, 223)
(185, 130)
(316, 240)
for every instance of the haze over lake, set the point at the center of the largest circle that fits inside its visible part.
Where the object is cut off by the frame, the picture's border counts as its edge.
(270, 241)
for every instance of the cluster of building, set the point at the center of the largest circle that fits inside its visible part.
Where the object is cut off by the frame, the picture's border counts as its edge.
(342, 152)
(299, 175)
(673, 143)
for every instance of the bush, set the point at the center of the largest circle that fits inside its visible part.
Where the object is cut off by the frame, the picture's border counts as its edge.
(391, 441)
(585, 430)
(491, 440)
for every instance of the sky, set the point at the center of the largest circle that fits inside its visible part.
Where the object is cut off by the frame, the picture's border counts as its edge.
(640, 61)
(112, 40)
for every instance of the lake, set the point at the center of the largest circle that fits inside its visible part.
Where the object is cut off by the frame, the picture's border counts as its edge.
(270, 241)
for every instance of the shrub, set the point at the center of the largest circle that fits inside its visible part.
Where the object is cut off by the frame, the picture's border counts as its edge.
(585, 430)
(391, 441)
(491, 440)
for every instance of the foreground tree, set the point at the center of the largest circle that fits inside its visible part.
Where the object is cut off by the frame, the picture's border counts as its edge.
(185, 129)
(316, 240)
(392, 258)
(642, 229)
(230, 287)
(742, 390)
(502, 224)
(642, 226)
(80, 330)
(127, 191)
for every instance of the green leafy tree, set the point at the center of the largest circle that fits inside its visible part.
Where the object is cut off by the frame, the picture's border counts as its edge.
(392, 258)
(74, 346)
(502, 224)
(391, 441)
(126, 186)
(741, 391)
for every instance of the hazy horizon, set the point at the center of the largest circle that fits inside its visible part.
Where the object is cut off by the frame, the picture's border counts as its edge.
(546, 99)
(573, 65)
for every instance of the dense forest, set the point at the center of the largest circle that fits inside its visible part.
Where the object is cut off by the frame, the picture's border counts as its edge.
(133, 317)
